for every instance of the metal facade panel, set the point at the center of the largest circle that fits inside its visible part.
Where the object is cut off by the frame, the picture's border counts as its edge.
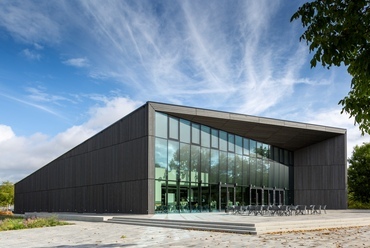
(320, 173)
(81, 179)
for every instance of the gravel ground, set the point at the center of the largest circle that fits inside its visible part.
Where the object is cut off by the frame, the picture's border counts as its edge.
(99, 234)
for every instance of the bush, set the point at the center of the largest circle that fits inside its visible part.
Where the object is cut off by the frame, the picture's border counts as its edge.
(354, 204)
(16, 223)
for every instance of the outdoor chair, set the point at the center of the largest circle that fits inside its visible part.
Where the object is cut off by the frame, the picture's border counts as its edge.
(285, 210)
(251, 209)
(274, 210)
(311, 209)
(237, 209)
(324, 208)
(244, 210)
(317, 210)
(265, 209)
(258, 210)
(301, 209)
(293, 209)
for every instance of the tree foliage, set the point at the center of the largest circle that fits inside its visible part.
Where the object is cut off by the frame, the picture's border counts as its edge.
(359, 173)
(338, 32)
(6, 194)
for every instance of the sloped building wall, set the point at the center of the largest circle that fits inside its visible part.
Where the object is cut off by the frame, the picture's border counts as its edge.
(320, 174)
(106, 173)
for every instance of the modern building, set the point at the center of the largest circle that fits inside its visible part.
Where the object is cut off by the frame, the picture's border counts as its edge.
(166, 158)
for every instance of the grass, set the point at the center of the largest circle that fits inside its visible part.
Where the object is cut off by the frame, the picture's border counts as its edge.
(8, 223)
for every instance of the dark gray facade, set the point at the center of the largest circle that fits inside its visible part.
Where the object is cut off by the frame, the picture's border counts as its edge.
(114, 171)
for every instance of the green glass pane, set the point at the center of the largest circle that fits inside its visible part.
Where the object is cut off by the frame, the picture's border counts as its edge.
(161, 125)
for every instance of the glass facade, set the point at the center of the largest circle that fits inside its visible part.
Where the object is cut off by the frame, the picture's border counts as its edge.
(199, 168)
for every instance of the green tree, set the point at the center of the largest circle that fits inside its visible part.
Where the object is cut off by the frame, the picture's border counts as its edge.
(6, 194)
(359, 173)
(338, 32)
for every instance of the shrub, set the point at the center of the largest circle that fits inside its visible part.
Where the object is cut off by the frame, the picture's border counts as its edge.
(15, 223)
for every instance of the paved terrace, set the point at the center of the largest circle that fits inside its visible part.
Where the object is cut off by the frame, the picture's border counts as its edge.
(224, 222)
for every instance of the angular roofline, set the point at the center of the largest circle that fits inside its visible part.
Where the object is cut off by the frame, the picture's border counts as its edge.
(286, 134)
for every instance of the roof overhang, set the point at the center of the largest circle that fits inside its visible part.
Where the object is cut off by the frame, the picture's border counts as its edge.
(284, 134)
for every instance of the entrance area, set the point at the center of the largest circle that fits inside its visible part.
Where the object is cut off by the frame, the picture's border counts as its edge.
(197, 197)
(227, 196)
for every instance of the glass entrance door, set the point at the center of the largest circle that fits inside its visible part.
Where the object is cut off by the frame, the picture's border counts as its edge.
(227, 195)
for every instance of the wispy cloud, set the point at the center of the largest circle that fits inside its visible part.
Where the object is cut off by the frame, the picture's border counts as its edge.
(77, 62)
(30, 54)
(32, 104)
(37, 150)
(30, 22)
(226, 53)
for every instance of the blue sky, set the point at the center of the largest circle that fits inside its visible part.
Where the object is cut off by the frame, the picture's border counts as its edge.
(68, 69)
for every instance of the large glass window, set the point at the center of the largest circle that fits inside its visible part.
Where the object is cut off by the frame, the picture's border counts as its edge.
(238, 145)
(246, 147)
(174, 128)
(173, 160)
(223, 140)
(195, 163)
(185, 131)
(214, 138)
(230, 167)
(160, 159)
(223, 167)
(259, 174)
(205, 164)
(252, 148)
(239, 169)
(246, 172)
(161, 125)
(184, 162)
(205, 136)
(253, 170)
(195, 133)
(231, 142)
(191, 159)
(215, 165)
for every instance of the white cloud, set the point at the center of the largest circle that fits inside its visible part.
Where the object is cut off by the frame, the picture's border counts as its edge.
(31, 55)
(6, 133)
(30, 21)
(333, 118)
(20, 156)
(77, 62)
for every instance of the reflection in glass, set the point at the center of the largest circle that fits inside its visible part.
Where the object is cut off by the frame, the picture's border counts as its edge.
(204, 164)
(184, 131)
(195, 163)
(230, 167)
(223, 167)
(239, 169)
(215, 162)
(266, 169)
(214, 138)
(231, 142)
(238, 145)
(173, 160)
(184, 162)
(188, 173)
(252, 148)
(246, 147)
(205, 136)
(253, 170)
(223, 140)
(160, 125)
(195, 133)
(174, 128)
(246, 172)
(259, 171)
(160, 158)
